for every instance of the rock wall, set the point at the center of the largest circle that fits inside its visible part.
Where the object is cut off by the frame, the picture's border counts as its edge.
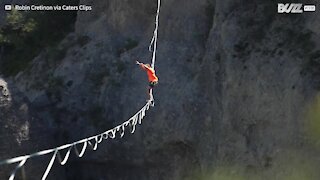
(235, 79)
(22, 132)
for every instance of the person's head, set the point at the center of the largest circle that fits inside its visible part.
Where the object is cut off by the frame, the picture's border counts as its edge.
(148, 65)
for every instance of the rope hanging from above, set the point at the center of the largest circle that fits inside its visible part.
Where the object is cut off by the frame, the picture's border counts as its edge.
(155, 37)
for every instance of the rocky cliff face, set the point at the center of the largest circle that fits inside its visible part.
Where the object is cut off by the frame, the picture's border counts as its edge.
(235, 81)
(22, 132)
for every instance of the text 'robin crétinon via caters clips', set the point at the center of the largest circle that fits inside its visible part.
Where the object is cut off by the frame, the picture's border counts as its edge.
(52, 7)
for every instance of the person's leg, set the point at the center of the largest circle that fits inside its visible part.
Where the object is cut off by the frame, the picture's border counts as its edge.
(150, 89)
(149, 92)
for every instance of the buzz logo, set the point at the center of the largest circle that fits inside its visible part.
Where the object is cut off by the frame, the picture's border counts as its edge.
(294, 8)
(290, 8)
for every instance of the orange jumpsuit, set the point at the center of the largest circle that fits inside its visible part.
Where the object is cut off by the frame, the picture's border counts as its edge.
(150, 72)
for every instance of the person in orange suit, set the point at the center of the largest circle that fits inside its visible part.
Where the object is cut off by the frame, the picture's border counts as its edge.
(152, 77)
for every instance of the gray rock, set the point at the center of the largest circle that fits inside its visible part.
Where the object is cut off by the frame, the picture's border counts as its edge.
(235, 80)
(22, 132)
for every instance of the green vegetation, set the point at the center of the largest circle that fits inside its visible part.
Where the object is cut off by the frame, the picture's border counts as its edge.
(26, 34)
(286, 165)
(14, 38)
(313, 120)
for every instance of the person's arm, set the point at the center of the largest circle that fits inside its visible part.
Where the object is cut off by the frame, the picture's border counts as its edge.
(141, 65)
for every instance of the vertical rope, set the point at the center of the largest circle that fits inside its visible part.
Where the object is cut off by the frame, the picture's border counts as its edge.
(155, 36)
